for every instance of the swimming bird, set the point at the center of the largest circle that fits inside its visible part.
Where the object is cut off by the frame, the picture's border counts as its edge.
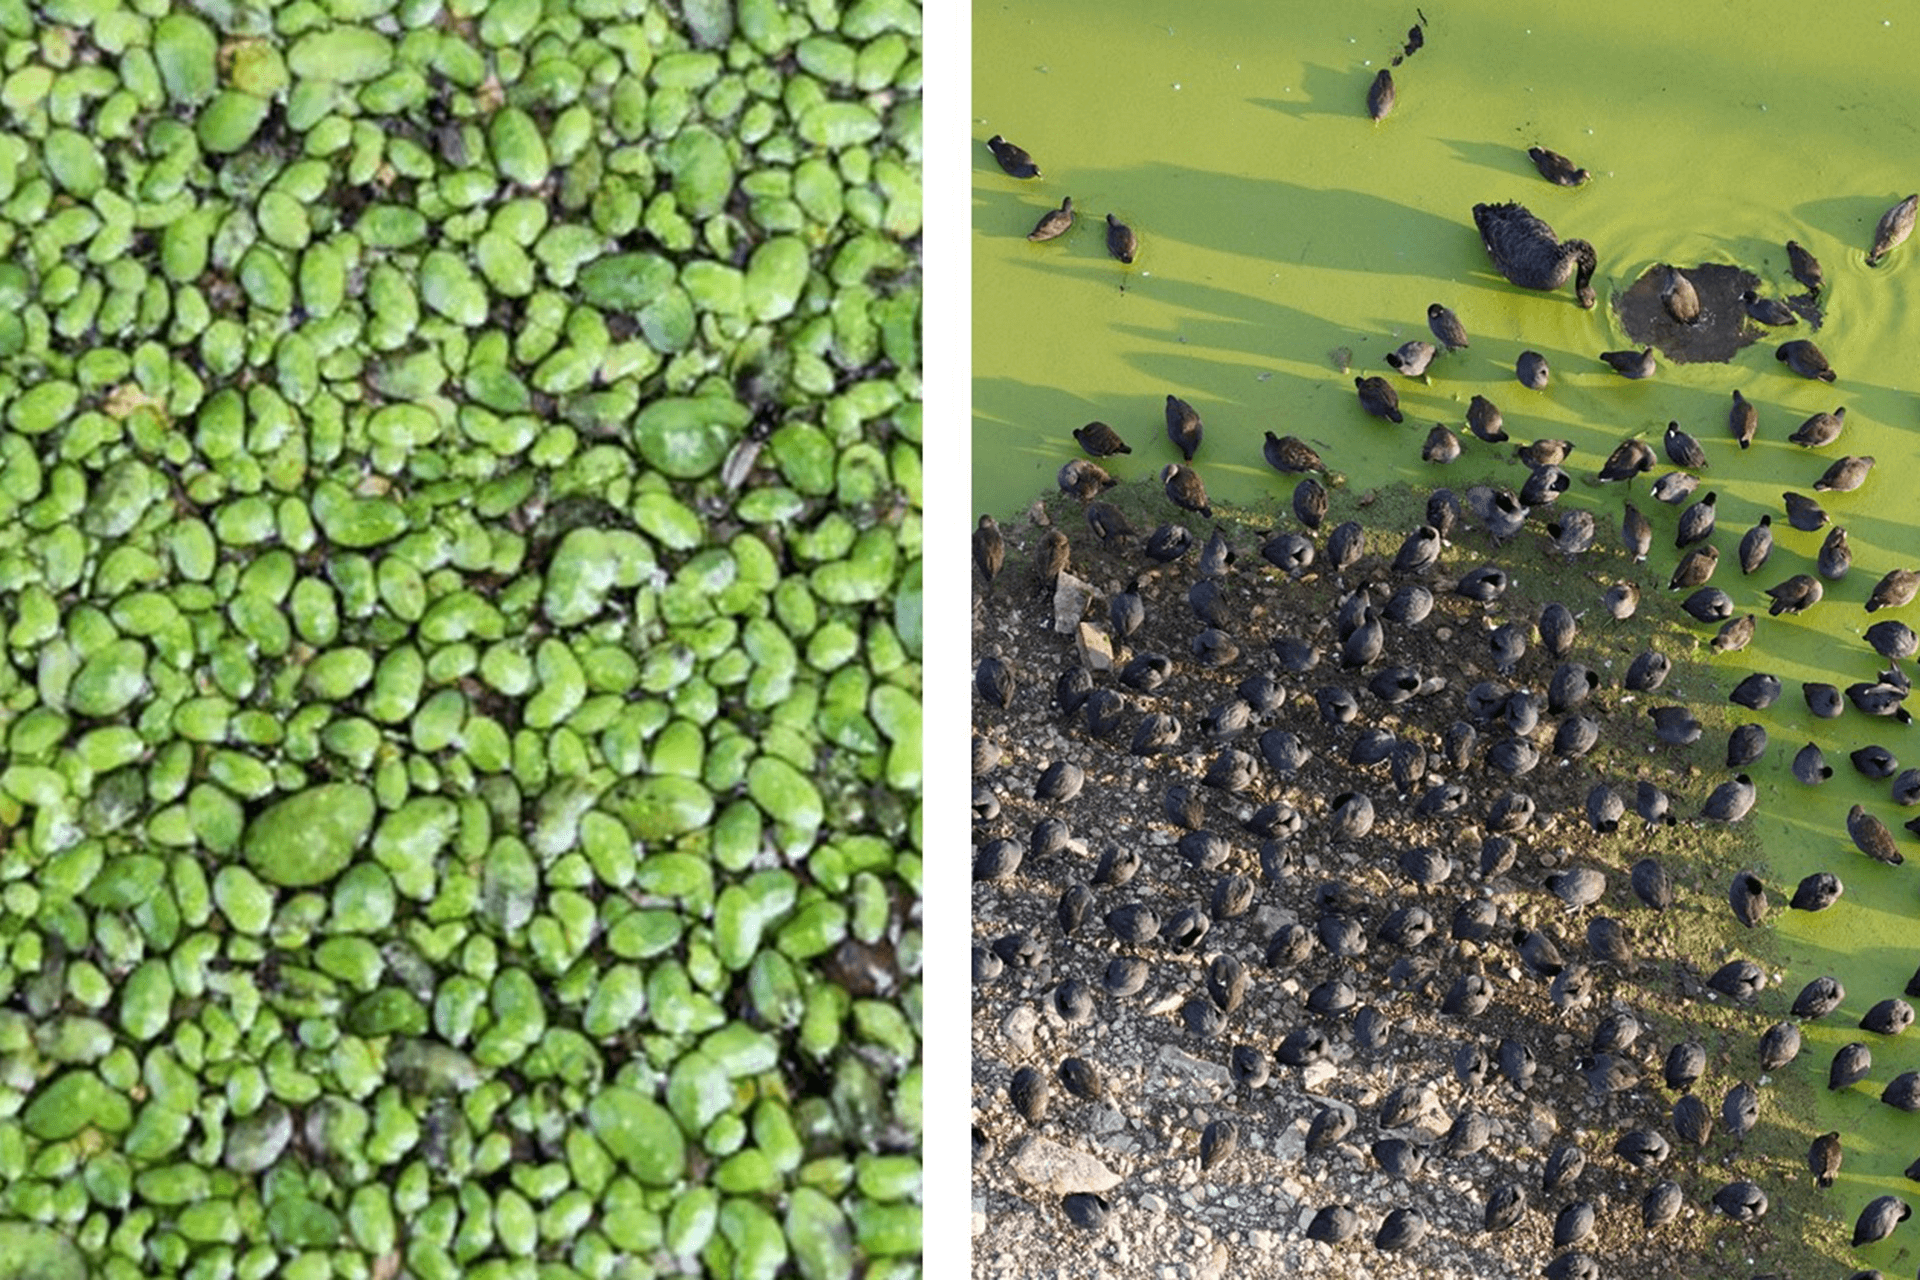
(1836, 556)
(989, 549)
(1800, 592)
(1291, 453)
(1556, 168)
(1012, 159)
(1805, 267)
(1768, 310)
(1380, 95)
(1683, 449)
(1820, 429)
(1883, 1213)
(1100, 440)
(1122, 242)
(1679, 297)
(1805, 359)
(1810, 766)
(1674, 487)
(1054, 222)
(1636, 533)
(1871, 837)
(1894, 590)
(1845, 476)
(1378, 398)
(1441, 446)
(1695, 567)
(1743, 420)
(1735, 635)
(1483, 419)
(1756, 545)
(1184, 489)
(1896, 224)
(1629, 458)
(1411, 359)
(1183, 427)
(1544, 452)
(1446, 327)
(1803, 513)
(1531, 369)
(1696, 522)
(1631, 364)
(1526, 251)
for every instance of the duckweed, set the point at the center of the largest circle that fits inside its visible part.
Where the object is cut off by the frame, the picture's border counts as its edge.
(459, 548)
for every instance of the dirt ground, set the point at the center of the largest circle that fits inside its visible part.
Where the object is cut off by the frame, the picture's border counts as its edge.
(1162, 1055)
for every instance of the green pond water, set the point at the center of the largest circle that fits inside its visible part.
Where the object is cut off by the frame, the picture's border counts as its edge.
(1278, 223)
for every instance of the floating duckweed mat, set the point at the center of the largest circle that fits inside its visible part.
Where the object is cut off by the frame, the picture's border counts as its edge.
(460, 561)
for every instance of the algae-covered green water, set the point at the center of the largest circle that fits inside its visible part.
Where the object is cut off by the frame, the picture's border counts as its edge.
(1278, 224)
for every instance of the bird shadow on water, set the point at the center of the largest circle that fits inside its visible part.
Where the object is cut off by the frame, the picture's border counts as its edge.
(1334, 229)
(1325, 91)
(1507, 161)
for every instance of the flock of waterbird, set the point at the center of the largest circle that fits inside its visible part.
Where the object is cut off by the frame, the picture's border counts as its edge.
(1441, 759)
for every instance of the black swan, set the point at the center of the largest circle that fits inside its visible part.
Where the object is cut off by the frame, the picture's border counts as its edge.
(1526, 251)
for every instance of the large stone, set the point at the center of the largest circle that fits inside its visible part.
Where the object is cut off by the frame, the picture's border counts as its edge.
(1071, 597)
(1096, 649)
(1061, 1170)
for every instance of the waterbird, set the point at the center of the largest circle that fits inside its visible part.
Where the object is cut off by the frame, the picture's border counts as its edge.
(1380, 96)
(1679, 297)
(1556, 168)
(1768, 310)
(1683, 449)
(1411, 359)
(1054, 222)
(1483, 419)
(1531, 369)
(990, 549)
(1820, 429)
(1184, 489)
(1742, 420)
(1100, 440)
(1291, 453)
(1183, 427)
(1378, 398)
(1896, 224)
(1805, 359)
(1446, 327)
(1441, 446)
(1756, 544)
(1845, 475)
(1122, 242)
(1013, 159)
(1805, 267)
(1895, 589)
(1803, 513)
(1526, 251)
